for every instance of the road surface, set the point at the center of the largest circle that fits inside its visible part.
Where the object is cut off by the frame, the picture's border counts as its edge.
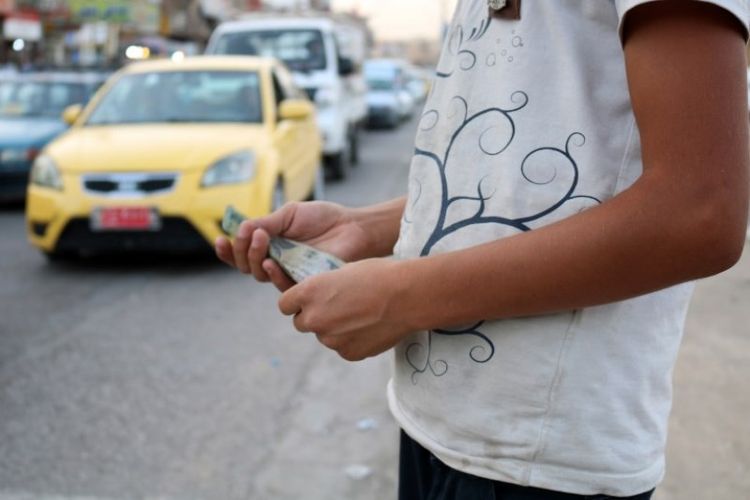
(158, 378)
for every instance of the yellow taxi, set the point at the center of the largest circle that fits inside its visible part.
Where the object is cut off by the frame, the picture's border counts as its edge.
(154, 159)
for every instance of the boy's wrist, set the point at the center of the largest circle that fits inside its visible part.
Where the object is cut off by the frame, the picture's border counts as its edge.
(380, 225)
(410, 299)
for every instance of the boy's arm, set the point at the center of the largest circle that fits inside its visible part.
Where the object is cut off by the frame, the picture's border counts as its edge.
(683, 219)
(381, 223)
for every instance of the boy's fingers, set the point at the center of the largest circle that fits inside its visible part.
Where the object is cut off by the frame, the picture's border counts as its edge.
(241, 245)
(223, 248)
(290, 302)
(277, 276)
(257, 253)
(277, 222)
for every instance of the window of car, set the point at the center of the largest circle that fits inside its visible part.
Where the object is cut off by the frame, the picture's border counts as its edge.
(383, 77)
(182, 97)
(300, 49)
(39, 99)
(286, 81)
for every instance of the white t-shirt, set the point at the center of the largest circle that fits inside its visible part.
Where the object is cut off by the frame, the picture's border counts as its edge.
(529, 121)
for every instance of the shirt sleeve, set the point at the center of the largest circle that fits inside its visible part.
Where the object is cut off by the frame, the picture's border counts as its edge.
(740, 9)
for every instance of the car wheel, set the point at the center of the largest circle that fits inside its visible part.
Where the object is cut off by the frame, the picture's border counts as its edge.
(354, 146)
(338, 164)
(277, 197)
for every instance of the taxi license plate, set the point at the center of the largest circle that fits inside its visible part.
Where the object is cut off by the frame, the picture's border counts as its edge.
(125, 219)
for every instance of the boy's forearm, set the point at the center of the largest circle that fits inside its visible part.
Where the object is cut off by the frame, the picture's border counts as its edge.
(381, 223)
(634, 244)
(683, 219)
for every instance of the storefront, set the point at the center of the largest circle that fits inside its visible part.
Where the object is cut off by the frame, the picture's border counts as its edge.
(97, 33)
(185, 20)
(108, 28)
(105, 26)
(22, 35)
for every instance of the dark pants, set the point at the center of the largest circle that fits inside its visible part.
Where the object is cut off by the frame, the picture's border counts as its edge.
(424, 477)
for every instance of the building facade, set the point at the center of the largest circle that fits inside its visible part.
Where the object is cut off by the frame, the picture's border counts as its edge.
(96, 33)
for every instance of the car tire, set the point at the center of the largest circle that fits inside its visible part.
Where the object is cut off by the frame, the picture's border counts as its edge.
(338, 164)
(278, 198)
(354, 146)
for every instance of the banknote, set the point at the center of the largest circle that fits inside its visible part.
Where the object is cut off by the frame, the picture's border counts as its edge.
(232, 220)
(299, 261)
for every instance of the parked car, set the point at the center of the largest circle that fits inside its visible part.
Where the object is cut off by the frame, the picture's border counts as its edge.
(155, 158)
(30, 108)
(389, 100)
(312, 47)
(418, 83)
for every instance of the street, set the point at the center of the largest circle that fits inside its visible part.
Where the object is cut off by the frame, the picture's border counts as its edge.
(157, 378)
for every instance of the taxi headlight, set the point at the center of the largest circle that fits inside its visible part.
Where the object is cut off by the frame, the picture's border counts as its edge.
(45, 173)
(238, 167)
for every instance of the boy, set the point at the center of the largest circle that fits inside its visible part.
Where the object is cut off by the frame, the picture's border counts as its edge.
(578, 163)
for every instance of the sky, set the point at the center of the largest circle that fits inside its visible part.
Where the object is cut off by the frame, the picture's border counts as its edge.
(401, 19)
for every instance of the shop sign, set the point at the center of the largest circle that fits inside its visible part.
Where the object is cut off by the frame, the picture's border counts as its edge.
(101, 10)
(141, 14)
(26, 28)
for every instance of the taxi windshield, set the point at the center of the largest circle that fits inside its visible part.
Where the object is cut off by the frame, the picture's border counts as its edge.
(38, 99)
(181, 97)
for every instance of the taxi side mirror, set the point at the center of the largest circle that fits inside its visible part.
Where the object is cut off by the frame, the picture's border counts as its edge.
(296, 109)
(72, 113)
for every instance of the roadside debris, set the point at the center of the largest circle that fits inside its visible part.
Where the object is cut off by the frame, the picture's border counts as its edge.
(358, 471)
(367, 424)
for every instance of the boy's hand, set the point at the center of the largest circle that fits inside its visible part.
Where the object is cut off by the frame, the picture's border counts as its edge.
(353, 310)
(326, 226)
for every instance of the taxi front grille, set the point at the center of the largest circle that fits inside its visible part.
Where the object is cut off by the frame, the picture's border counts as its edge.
(129, 184)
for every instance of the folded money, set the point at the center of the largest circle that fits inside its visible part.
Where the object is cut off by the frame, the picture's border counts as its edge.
(232, 220)
(299, 261)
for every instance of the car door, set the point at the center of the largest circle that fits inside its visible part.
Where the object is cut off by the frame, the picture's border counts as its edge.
(291, 145)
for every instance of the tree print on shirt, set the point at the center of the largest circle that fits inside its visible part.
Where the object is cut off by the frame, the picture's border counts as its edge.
(462, 57)
(419, 355)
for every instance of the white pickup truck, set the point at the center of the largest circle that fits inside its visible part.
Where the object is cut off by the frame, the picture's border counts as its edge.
(317, 49)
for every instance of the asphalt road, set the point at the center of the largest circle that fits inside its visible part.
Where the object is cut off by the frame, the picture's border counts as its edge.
(158, 378)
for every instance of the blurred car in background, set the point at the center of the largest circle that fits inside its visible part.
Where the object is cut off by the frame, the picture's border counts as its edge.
(418, 83)
(389, 100)
(324, 54)
(8, 69)
(30, 109)
(155, 158)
